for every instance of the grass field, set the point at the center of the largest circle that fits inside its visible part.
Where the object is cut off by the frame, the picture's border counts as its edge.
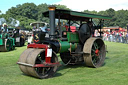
(114, 71)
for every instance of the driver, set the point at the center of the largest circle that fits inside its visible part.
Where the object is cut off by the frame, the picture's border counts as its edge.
(43, 28)
(4, 27)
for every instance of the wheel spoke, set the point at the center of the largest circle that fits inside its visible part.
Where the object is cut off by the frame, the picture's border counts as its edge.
(37, 69)
(94, 45)
(97, 46)
(93, 50)
(43, 71)
(94, 55)
(94, 60)
(40, 59)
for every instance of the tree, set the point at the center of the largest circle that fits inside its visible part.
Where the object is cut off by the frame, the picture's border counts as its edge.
(110, 12)
(42, 8)
(61, 7)
(90, 12)
(28, 10)
(121, 18)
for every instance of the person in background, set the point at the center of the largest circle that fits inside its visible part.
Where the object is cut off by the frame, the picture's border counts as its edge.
(123, 37)
(105, 36)
(125, 40)
(3, 28)
(127, 37)
(43, 28)
(34, 27)
(110, 36)
(118, 37)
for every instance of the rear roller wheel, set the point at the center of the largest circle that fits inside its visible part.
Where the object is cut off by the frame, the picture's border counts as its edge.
(95, 52)
(37, 56)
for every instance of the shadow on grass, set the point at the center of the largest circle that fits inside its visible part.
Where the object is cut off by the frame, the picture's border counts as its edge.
(21, 46)
(69, 67)
(106, 57)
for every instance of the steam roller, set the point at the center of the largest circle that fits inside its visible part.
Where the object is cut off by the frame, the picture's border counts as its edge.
(75, 45)
(7, 43)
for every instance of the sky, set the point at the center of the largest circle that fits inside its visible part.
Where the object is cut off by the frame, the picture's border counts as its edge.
(76, 5)
(97, 5)
(7, 4)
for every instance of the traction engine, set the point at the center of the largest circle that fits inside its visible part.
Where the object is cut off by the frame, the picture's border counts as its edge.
(40, 58)
(7, 43)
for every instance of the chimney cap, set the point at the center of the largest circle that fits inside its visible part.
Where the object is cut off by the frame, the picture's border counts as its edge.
(51, 7)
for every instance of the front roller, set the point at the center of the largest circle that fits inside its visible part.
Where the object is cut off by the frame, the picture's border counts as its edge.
(94, 52)
(7, 46)
(32, 62)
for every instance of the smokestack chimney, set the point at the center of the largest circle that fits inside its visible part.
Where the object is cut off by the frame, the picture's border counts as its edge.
(52, 20)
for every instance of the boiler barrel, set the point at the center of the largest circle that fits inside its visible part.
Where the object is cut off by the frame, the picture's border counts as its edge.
(66, 46)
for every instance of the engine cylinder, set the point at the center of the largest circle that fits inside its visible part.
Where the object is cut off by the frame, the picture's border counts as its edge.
(66, 46)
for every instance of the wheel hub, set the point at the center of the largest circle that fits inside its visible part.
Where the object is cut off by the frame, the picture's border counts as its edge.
(97, 52)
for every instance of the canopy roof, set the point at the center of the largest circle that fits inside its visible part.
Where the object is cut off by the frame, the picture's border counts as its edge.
(73, 15)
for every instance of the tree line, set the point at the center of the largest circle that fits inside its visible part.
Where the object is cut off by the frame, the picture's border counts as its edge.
(29, 12)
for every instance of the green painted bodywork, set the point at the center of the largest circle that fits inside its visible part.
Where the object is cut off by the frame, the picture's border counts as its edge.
(3, 35)
(1, 41)
(12, 41)
(70, 44)
(65, 46)
(73, 37)
(0, 36)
